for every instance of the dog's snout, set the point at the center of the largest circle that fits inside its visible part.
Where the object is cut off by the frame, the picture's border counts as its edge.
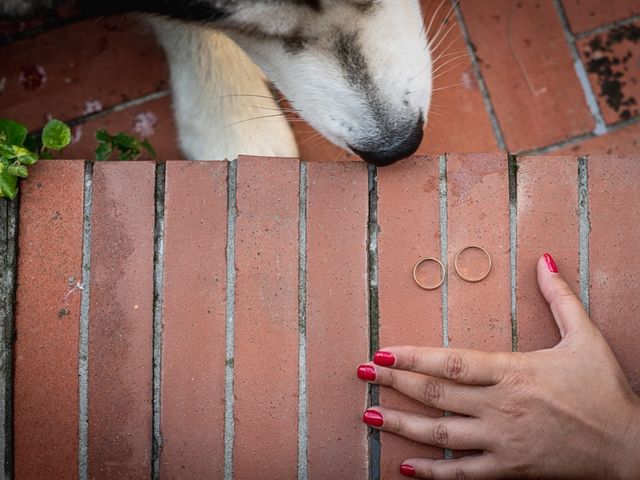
(403, 149)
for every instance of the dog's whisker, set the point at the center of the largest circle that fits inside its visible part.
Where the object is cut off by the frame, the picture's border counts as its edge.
(444, 64)
(433, 17)
(263, 117)
(284, 110)
(445, 21)
(436, 44)
(459, 84)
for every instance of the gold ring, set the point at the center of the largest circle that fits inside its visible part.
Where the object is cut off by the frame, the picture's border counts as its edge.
(429, 259)
(482, 277)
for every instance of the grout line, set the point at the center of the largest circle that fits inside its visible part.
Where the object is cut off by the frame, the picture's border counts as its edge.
(614, 127)
(585, 228)
(303, 470)
(158, 277)
(375, 448)
(486, 97)
(606, 27)
(444, 255)
(135, 102)
(229, 432)
(581, 72)
(8, 244)
(513, 247)
(83, 351)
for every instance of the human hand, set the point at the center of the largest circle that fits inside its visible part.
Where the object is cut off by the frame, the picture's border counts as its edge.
(566, 412)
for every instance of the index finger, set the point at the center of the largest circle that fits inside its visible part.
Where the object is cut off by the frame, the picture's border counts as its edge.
(471, 367)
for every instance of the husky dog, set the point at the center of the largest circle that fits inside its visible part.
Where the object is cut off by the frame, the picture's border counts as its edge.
(358, 71)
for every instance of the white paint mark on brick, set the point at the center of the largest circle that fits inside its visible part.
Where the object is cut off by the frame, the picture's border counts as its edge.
(144, 124)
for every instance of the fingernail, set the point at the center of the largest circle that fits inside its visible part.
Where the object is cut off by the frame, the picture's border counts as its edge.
(373, 418)
(407, 470)
(366, 372)
(384, 359)
(551, 265)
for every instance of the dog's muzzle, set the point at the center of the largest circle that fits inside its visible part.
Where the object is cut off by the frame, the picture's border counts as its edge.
(403, 149)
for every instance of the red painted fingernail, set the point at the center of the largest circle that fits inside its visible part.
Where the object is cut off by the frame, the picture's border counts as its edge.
(384, 359)
(366, 372)
(407, 470)
(373, 418)
(551, 265)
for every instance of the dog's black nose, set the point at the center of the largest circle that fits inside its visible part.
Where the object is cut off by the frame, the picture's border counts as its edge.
(403, 149)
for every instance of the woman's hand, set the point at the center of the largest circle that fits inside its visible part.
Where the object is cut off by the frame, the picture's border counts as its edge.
(567, 412)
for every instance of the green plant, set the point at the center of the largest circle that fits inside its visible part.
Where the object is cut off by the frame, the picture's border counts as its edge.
(128, 147)
(15, 156)
(18, 150)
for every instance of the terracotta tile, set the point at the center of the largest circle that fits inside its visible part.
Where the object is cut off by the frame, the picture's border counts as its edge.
(614, 200)
(587, 14)
(193, 318)
(409, 228)
(623, 141)
(479, 314)
(266, 319)
(612, 60)
(458, 120)
(104, 61)
(47, 321)
(121, 320)
(337, 319)
(547, 223)
(152, 120)
(529, 72)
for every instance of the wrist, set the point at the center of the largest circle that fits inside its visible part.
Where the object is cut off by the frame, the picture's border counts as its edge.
(628, 461)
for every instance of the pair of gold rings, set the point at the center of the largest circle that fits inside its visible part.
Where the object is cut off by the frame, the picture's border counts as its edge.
(455, 264)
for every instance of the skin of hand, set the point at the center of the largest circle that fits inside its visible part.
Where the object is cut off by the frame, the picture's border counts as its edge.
(566, 412)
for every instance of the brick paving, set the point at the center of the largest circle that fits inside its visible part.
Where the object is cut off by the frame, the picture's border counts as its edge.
(224, 315)
(192, 320)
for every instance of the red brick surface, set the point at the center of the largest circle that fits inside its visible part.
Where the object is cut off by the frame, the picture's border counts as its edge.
(266, 319)
(523, 55)
(58, 72)
(623, 141)
(612, 59)
(337, 339)
(587, 14)
(152, 120)
(193, 318)
(121, 320)
(547, 223)
(614, 261)
(408, 215)
(479, 314)
(47, 322)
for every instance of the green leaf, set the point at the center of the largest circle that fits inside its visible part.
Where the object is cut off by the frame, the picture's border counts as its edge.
(11, 132)
(103, 136)
(103, 152)
(7, 151)
(149, 148)
(46, 154)
(18, 171)
(8, 185)
(126, 141)
(56, 135)
(25, 156)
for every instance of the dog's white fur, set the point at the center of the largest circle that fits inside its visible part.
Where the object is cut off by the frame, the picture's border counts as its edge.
(219, 93)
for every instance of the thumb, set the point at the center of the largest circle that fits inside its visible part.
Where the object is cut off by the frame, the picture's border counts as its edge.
(567, 309)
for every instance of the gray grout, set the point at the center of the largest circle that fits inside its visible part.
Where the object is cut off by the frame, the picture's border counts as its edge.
(374, 311)
(158, 277)
(606, 27)
(232, 212)
(8, 244)
(614, 127)
(584, 228)
(444, 255)
(484, 90)
(513, 246)
(83, 347)
(303, 470)
(581, 72)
